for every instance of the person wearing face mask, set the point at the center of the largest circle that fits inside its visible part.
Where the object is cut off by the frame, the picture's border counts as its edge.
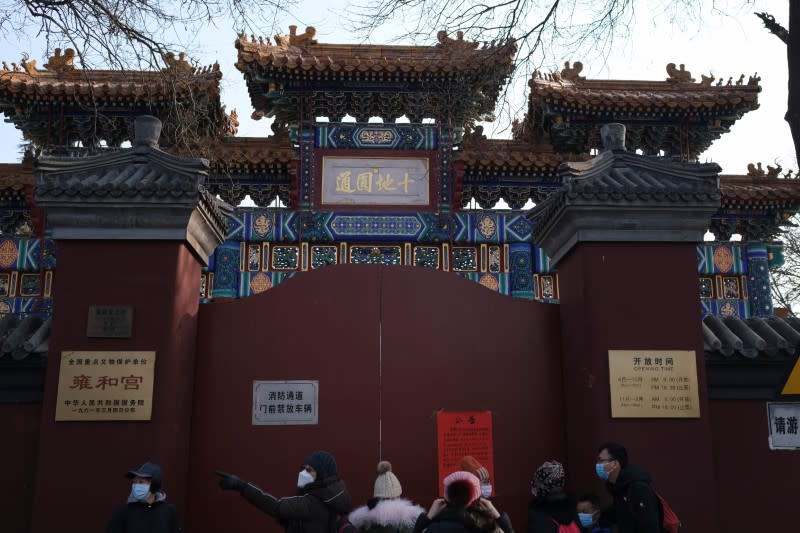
(146, 510)
(386, 511)
(321, 496)
(481, 510)
(636, 508)
(551, 509)
(589, 514)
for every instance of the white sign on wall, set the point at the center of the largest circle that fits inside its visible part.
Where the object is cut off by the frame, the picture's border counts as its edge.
(783, 419)
(285, 402)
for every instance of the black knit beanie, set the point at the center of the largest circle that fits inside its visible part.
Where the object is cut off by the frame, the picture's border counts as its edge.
(323, 463)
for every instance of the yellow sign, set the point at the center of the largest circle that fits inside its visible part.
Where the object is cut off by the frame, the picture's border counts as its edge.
(653, 384)
(792, 385)
(105, 386)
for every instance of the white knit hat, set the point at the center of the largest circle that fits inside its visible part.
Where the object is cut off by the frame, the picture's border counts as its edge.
(386, 484)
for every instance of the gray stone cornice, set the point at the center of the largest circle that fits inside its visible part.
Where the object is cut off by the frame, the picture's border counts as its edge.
(140, 193)
(624, 197)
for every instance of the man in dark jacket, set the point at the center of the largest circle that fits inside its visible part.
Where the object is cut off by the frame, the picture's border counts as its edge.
(320, 496)
(636, 508)
(146, 510)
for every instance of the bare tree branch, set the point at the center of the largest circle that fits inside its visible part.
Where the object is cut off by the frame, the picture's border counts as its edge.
(774, 27)
(131, 33)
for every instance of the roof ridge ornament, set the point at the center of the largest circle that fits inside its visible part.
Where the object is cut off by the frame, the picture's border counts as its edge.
(457, 45)
(61, 63)
(29, 65)
(293, 39)
(180, 66)
(679, 75)
(613, 137)
(572, 73)
(147, 130)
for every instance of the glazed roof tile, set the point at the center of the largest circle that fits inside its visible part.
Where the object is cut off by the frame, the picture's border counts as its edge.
(512, 155)
(302, 53)
(15, 176)
(69, 83)
(645, 96)
(732, 337)
(23, 336)
(762, 191)
(275, 151)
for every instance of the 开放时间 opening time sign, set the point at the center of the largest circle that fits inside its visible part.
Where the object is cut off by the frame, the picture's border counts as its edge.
(653, 384)
(285, 402)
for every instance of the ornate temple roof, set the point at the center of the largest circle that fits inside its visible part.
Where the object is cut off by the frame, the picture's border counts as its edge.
(136, 193)
(14, 177)
(61, 80)
(252, 154)
(458, 77)
(98, 105)
(678, 115)
(759, 191)
(747, 359)
(619, 195)
(478, 152)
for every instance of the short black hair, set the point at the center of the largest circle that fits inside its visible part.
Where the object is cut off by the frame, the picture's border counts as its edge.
(459, 494)
(616, 451)
(591, 498)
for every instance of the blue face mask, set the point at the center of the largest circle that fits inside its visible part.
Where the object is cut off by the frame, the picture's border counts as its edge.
(586, 519)
(140, 491)
(601, 471)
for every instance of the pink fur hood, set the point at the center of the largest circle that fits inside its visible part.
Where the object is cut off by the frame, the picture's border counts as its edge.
(397, 512)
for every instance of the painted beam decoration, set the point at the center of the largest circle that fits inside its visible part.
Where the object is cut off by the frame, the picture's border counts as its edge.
(282, 403)
(105, 386)
(371, 181)
(653, 384)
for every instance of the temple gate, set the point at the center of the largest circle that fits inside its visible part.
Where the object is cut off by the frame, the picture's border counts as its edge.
(373, 263)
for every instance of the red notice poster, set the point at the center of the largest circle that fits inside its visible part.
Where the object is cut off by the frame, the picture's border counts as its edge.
(462, 433)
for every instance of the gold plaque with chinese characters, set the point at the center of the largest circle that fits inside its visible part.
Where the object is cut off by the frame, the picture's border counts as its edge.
(370, 181)
(105, 386)
(653, 384)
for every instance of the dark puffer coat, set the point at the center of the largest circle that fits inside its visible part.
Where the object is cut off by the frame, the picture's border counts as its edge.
(310, 511)
(547, 512)
(449, 520)
(141, 517)
(636, 508)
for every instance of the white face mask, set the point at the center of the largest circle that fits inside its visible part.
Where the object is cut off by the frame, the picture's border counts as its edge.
(304, 478)
(486, 490)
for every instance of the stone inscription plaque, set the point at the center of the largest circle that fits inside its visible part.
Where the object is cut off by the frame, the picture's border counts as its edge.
(653, 384)
(111, 321)
(400, 181)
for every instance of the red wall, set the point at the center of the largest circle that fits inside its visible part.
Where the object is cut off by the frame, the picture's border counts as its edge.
(18, 448)
(757, 487)
(81, 465)
(393, 345)
(635, 296)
